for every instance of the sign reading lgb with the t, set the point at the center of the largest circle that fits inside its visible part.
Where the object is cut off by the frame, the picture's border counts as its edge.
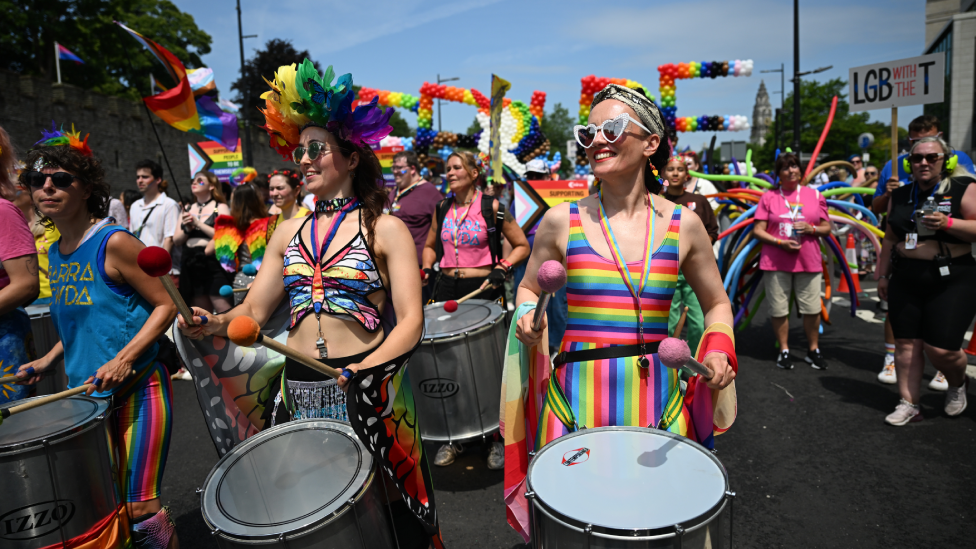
(914, 81)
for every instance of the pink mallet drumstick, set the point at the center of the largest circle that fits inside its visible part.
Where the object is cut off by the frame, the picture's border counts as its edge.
(674, 353)
(551, 277)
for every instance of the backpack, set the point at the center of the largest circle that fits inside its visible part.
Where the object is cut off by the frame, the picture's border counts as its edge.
(493, 223)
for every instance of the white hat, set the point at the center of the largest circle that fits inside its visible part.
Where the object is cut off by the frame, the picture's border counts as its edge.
(536, 165)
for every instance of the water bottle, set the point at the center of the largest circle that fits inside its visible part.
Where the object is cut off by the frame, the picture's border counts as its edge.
(928, 208)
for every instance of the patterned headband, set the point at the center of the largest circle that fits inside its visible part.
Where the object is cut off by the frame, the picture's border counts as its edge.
(646, 110)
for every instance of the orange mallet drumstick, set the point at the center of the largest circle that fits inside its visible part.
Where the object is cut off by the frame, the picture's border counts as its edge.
(245, 332)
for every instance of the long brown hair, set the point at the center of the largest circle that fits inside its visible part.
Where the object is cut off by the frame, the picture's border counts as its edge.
(246, 206)
(367, 184)
(216, 189)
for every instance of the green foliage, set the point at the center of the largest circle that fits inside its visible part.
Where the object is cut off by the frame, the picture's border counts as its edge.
(261, 65)
(29, 28)
(474, 128)
(841, 142)
(557, 126)
(400, 126)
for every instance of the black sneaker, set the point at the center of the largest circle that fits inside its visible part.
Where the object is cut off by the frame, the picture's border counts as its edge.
(816, 360)
(784, 361)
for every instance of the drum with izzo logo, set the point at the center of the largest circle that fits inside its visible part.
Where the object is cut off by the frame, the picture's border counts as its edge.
(303, 484)
(57, 473)
(456, 373)
(625, 488)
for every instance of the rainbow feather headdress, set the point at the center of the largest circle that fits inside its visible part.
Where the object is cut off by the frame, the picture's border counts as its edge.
(243, 175)
(301, 97)
(60, 137)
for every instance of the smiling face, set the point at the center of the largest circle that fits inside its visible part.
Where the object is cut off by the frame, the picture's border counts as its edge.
(925, 171)
(459, 179)
(331, 170)
(282, 193)
(60, 203)
(625, 155)
(789, 175)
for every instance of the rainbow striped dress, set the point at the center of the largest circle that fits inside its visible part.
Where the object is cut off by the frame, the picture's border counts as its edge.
(601, 314)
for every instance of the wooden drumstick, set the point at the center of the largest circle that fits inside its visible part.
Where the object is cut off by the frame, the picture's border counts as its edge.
(29, 374)
(157, 263)
(451, 305)
(7, 412)
(681, 322)
(245, 332)
(227, 290)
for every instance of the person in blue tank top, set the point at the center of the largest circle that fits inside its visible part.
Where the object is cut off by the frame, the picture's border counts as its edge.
(108, 314)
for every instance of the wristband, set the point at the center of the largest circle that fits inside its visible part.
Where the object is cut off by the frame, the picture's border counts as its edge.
(779, 242)
(948, 223)
(346, 373)
(506, 264)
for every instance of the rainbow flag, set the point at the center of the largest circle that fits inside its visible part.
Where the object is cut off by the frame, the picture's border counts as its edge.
(218, 125)
(176, 106)
(68, 55)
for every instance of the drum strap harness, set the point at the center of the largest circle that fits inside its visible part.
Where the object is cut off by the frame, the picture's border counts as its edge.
(318, 287)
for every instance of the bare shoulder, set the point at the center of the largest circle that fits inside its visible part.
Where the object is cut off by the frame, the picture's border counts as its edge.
(390, 228)
(557, 216)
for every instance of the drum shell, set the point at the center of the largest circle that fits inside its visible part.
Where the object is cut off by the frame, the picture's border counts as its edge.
(457, 382)
(362, 523)
(551, 529)
(45, 338)
(84, 474)
(241, 280)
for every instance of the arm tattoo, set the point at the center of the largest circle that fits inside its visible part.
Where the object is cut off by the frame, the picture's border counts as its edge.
(32, 268)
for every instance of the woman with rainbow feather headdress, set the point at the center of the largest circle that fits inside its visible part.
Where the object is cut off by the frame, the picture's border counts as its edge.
(109, 315)
(622, 249)
(336, 269)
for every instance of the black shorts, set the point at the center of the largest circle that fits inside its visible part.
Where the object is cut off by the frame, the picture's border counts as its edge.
(201, 274)
(924, 305)
(448, 287)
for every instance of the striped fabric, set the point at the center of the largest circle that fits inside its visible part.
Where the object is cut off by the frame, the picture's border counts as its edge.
(601, 314)
(144, 423)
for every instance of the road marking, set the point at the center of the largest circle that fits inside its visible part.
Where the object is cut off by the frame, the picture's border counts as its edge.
(868, 316)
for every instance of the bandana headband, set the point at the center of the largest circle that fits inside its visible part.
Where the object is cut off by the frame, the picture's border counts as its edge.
(646, 110)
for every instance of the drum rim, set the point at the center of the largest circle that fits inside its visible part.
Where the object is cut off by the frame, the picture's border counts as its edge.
(661, 532)
(300, 528)
(40, 311)
(101, 415)
(441, 336)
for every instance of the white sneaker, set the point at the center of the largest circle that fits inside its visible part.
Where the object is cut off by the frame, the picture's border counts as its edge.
(888, 375)
(446, 455)
(904, 413)
(183, 375)
(955, 402)
(939, 382)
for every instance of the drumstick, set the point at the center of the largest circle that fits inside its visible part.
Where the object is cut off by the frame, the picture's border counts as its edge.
(7, 412)
(451, 305)
(551, 277)
(29, 374)
(156, 262)
(681, 322)
(245, 332)
(674, 353)
(228, 291)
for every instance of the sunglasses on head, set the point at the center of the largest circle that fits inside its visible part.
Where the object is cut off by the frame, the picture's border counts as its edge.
(314, 149)
(61, 180)
(612, 130)
(931, 158)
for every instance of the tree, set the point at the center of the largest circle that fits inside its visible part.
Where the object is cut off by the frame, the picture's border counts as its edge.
(841, 142)
(115, 63)
(474, 128)
(263, 65)
(557, 126)
(400, 126)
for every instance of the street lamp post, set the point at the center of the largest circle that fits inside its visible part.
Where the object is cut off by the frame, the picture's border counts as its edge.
(441, 81)
(796, 76)
(249, 154)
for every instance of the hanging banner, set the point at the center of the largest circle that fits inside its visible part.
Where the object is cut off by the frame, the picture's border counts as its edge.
(216, 158)
(499, 87)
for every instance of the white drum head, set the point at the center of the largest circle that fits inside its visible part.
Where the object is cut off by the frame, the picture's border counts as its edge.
(627, 478)
(469, 316)
(50, 421)
(286, 479)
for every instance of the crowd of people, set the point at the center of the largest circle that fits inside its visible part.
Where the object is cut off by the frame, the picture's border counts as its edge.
(639, 253)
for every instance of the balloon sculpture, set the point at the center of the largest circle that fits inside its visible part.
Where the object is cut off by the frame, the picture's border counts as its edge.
(704, 69)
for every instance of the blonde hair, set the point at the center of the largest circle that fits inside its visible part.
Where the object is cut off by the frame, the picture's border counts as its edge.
(8, 163)
(470, 164)
(959, 169)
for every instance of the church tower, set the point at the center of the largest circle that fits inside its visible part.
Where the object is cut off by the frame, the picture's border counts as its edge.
(762, 116)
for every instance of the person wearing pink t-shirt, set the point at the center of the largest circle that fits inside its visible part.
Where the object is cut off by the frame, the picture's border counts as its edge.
(789, 222)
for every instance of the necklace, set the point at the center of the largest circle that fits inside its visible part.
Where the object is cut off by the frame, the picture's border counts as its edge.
(318, 287)
(330, 205)
(395, 207)
(618, 259)
(457, 230)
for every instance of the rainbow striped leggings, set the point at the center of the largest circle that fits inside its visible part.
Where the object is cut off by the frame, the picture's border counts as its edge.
(143, 422)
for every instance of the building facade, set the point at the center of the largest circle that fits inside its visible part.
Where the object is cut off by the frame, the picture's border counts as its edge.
(956, 37)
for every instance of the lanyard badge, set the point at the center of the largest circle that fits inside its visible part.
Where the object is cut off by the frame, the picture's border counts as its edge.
(318, 286)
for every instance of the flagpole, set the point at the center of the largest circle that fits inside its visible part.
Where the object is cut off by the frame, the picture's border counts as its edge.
(152, 123)
(57, 60)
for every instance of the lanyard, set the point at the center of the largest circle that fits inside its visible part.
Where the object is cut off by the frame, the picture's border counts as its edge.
(401, 194)
(618, 259)
(457, 226)
(794, 211)
(318, 289)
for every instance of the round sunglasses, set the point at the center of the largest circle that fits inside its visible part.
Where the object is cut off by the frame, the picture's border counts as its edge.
(61, 180)
(612, 130)
(314, 149)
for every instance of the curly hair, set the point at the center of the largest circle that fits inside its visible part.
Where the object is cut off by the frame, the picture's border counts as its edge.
(367, 184)
(87, 168)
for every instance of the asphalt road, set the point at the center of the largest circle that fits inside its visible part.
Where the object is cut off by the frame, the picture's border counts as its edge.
(810, 457)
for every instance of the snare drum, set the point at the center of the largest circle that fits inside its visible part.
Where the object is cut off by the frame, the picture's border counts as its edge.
(57, 472)
(45, 338)
(307, 483)
(456, 373)
(628, 487)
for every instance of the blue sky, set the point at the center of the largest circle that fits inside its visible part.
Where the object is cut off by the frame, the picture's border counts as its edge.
(549, 45)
